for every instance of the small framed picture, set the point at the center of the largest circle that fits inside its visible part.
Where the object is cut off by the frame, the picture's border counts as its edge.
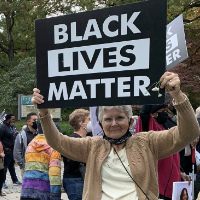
(182, 191)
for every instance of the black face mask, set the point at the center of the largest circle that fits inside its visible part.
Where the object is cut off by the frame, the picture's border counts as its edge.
(119, 140)
(34, 125)
(162, 117)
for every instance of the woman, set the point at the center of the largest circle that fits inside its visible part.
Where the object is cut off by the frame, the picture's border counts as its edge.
(155, 117)
(72, 178)
(42, 177)
(184, 194)
(132, 175)
(2, 155)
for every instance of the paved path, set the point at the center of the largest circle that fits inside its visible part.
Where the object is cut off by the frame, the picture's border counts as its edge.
(16, 196)
(13, 191)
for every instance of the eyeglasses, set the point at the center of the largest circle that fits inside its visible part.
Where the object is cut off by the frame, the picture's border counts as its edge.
(117, 119)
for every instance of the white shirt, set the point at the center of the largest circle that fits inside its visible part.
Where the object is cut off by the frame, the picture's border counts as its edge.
(116, 183)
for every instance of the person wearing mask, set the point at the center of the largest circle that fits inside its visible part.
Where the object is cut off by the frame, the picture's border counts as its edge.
(42, 177)
(72, 177)
(121, 165)
(22, 140)
(2, 155)
(155, 117)
(7, 137)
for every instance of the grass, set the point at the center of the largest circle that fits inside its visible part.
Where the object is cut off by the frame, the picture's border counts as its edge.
(65, 127)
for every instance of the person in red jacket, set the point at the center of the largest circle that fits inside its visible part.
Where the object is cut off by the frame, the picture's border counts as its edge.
(155, 117)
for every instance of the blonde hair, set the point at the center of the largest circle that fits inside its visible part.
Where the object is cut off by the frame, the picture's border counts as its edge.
(78, 116)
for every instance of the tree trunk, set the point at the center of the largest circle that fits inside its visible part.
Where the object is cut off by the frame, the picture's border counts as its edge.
(9, 24)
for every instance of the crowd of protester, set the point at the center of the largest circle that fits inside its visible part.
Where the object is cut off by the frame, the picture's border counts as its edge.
(111, 154)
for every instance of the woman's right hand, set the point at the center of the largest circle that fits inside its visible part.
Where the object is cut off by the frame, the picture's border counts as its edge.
(38, 99)
(2, 155)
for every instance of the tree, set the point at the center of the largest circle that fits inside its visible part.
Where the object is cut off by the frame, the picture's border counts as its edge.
(19, 80)
(17, 35)
(189, 70)
(17, 38)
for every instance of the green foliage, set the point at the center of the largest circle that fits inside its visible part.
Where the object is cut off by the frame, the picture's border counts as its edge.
(17, 24)
(66, 112)
(20, 79)
(17, 31)
(193, 98)
(191, 15)
(65, 127)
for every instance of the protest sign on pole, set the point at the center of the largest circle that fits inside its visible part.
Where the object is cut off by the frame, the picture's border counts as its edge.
(176, 49)
(104, 57)
(2, 116)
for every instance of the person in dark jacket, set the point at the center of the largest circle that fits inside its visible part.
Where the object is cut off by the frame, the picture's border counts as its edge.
(7, 137)
(72, 178)
(22, 140)
(155, 117)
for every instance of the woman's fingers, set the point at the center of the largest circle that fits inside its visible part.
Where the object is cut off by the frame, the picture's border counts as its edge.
(37, 97)
(170, 81)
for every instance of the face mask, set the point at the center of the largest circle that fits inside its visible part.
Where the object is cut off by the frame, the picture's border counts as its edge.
(162, 117)
(10, 122)
(89, 127)
(34, 125)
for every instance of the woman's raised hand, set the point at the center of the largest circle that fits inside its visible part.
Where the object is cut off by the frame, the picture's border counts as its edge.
(38, 99)
(171, 82)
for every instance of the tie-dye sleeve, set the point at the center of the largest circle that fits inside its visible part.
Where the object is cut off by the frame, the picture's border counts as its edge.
(55, 176)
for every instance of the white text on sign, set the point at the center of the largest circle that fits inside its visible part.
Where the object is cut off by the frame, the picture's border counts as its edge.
(111, 57)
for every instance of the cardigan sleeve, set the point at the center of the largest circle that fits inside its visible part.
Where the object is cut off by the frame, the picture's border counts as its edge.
(167, 142)
(73, 148)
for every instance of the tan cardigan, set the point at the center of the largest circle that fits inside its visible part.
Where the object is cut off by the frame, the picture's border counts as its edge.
(143, 151)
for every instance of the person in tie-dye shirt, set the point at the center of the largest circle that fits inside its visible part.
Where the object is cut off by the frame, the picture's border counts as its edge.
(42, 177)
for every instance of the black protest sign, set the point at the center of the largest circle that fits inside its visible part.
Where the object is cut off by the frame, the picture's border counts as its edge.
(176, 49)
(103, 57)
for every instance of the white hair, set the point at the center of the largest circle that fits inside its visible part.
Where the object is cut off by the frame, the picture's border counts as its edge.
(127, 109)
(198, 112)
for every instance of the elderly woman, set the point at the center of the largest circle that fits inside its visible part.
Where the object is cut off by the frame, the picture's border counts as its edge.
(120, 165)
(72, 176)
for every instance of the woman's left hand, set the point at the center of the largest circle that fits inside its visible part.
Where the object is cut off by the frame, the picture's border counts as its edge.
(171, 82)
